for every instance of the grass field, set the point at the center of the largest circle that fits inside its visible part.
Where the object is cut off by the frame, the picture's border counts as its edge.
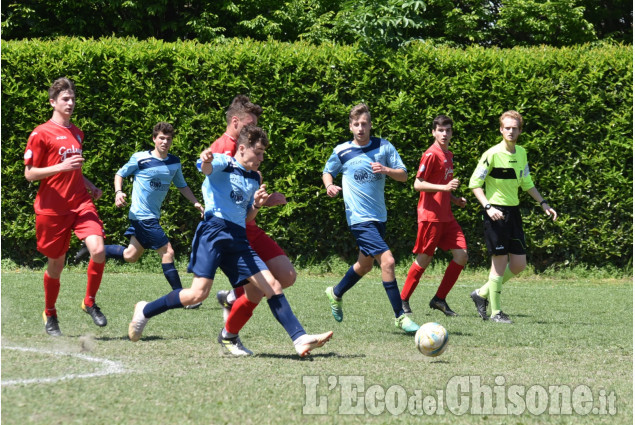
(572, 337)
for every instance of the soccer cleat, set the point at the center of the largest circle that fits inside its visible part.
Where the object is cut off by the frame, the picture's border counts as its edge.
(82, 253)
(404, 322)
(405, 305)
(51, 325)
(139, 321)
(336, 305)
(441, 305)
(221, 297)
(96, 314)
(233, 346)
(307, 343)
(480, 303)
(501, 317)
(193, 306)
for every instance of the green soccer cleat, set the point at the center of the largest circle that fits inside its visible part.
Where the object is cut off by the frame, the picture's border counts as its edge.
(404, 322)
(233, 346)
(336, 305)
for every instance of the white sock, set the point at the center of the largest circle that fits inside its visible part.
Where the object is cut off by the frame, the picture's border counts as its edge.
(231, 297)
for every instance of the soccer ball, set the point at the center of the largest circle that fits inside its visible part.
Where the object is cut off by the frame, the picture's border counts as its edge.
(431, 339)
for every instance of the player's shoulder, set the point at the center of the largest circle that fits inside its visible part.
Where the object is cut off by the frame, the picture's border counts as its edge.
(173, 159)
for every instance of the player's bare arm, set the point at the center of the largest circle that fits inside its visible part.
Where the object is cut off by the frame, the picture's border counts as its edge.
(71, 163)
(533, 192)
(120, 195)
(494, 213)
(94, 191)
(260, 198)
(421, 185)
(331, 189)
(394, 173)
(189, 195)
(206, 158)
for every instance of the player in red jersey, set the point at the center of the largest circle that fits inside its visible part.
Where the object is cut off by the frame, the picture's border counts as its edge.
(237, 306)
(437, 225)
(64, 202)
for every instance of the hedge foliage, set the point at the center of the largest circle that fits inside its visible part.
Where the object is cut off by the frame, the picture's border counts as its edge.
(577, 103)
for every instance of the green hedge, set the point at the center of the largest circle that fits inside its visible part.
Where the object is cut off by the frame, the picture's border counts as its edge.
(577, 103)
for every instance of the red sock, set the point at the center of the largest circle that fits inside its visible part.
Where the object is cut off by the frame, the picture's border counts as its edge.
(242, 309)
(449, 279)
(51, 291)
(95, 272)
(412, 280)
(238, 292)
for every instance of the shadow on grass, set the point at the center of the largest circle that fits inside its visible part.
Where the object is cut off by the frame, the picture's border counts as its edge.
(310, 357)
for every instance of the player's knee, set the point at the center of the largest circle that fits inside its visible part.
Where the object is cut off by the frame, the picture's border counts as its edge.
(197, 295)
(388, 263)
(288, 278)
(461, 257)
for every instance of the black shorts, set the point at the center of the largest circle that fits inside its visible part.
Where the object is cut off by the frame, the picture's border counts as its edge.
(505, 236)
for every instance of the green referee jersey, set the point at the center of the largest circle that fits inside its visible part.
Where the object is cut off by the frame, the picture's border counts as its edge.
(502, 173)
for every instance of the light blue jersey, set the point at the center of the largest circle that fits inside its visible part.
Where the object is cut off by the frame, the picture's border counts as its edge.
(229, 189)
(363, 190)
(152, 179)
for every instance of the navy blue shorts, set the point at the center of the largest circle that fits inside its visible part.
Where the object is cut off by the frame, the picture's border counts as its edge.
(148, 232)
(221, 243)
(370, 237)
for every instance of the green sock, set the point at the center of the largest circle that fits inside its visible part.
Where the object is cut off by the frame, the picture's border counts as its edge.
(483, 291)
(495, 286)
(508, 274)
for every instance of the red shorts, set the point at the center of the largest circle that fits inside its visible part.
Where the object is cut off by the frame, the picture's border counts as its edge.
(265, 247)
(53, 232)
(445, 235)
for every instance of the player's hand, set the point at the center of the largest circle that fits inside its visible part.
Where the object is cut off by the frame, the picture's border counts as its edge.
(452, 185)
(200, 207)
(261, 196)
(207, 155)
(459, 202)
(120, 199)
(495, 214)
(332, 190)
(95, 192)
(276, 198)
(550, 211)
(72, 163)
(378, 168)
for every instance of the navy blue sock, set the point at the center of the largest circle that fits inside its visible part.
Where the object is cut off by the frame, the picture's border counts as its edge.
(114, 251)
(392, 290)
(172, 275)
(348, 281)
(163, 304)
(282, 312)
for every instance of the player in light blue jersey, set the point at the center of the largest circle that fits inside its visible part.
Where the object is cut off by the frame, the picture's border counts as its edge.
(233, 194)
(153, 173)
(364, 163)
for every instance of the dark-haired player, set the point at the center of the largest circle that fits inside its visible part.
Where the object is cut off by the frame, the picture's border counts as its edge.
(437, 226)
(64, 202)
(233, 194)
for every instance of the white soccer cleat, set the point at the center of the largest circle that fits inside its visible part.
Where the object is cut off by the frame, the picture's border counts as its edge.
(139, 321)
(306, 343)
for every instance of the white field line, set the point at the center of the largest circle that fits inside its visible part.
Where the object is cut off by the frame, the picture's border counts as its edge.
(110, 367)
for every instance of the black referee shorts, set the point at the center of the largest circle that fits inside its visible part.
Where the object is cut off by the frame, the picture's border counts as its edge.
(505, 236)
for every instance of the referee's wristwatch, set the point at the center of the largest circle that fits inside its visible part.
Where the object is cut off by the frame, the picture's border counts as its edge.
(487, 207)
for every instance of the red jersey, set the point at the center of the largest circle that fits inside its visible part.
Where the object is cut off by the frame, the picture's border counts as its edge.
(224, 144)
(436, 167)
(49, 144)
(227, 145)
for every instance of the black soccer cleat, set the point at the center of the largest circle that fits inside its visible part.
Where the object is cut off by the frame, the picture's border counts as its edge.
(441, 305)
(405, 305)
(82, 253)
(480, 303)
(96, 314)
(51, 325)
(501, 317)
